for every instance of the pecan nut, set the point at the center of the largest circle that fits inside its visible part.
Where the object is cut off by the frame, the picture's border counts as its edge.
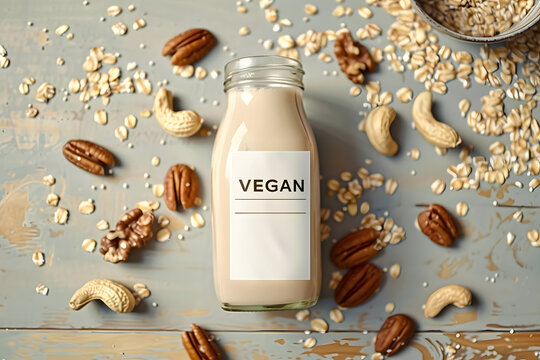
(353, 58)
(189, 47)
(437, 223)
(199, 345)
(358, 285)
(88, 156)
(355, 248)
(395, 334)
(181, 185)
(132, 231)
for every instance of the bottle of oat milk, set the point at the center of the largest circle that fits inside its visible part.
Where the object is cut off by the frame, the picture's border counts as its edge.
(265, 190)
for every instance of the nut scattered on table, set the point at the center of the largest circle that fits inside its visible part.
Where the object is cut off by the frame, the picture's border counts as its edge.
(456, 295)
(189, 47)
(319, 325)
(395, 333)
(355, 248)
(199, 345)
(435, 132)
(88, 156)
(437, 224)
(182, 123)
(353, 58)
(358, 285)
(132, 231)
(38, 258)
(378, 124)
(116, 296)
(181, 186)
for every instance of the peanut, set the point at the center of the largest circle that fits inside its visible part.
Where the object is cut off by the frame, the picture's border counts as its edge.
(378, 124)
(183, 123)
(456, 295)
(435, 132)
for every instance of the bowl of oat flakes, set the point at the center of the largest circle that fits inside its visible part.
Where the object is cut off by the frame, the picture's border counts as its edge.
(480, 21)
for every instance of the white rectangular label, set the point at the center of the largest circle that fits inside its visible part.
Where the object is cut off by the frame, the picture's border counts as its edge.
(270, 215)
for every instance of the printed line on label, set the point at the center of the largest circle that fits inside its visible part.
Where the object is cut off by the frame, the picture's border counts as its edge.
(264, 199)
(269, 212)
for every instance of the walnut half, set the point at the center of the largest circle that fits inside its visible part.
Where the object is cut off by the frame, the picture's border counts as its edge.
(353, 58)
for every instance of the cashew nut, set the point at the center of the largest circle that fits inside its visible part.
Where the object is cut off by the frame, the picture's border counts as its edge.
(378, 124)
(456, 295)
(437, 133)
(116, 296)
(178, 123)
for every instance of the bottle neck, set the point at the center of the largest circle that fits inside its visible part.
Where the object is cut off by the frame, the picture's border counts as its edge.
(263, 71)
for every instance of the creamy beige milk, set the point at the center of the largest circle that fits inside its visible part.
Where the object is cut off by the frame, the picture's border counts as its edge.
(265, 202)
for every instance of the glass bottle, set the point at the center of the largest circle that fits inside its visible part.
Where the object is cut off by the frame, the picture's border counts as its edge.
(265, 190)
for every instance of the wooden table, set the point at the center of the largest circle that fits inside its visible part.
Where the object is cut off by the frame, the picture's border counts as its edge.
(503, 279)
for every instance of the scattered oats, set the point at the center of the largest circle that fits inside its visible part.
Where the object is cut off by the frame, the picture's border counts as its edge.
(243, 31)
(395, 271)
(377, 356)
(4, 62)
(102, 225)
(61, 215)
(119, 28)
(86, 207)
(336, 316)
(518, 216)
(61, 30)
(142, 46)
(121, 133)
(197, 221)
(131, 7)
(310, 9)
(100, 116)
(114, 10)
(336, 278)
(130, 121)
(214, 74)
(146, 113)
(52, 199)
(319, 325)
(286, 41)
(339, 11)
(241, 9)
(89, 245)
(310, 342)
(42, 289)
(268, 44)
(215, 103)
(158, 190)
(163, 235)
(163, 221)
(355, 91)
(365, 12)
(302, 315)
(139, 24)
(285, 22)
(45, 92)
(38, 258)
(533, 237)
(462, 208)
(162, 142)
(464, 106)
(364, 207)
(271, 15)
(70, 36)
(389, 307)
(438, 186)
(404, 95)
(131, 66)
(48, 180)
(102, 19)
(263, 4)
(148, 205)
(391, 186)
(533, 184)
(510, 238)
